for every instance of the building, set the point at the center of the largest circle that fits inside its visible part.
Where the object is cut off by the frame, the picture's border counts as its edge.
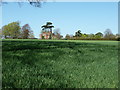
(45, 35)
(50, 35)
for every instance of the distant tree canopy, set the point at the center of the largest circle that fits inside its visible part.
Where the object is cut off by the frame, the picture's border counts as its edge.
(108, 34)
(13, 30)
(47, 27)
(0, 33)
(67, 36)
(57, 33)
(99, 34)
(27, 32)
(78, 33)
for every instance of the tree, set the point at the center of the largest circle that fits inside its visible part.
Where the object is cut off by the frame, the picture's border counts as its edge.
(78, 33)
(118, 37)
(31, 34)
(35, 3)
(48, 28)
(84, 36)
(5, 31)
(1, 33)
(67, 36)
(43, 37)
(108, 34)
(71, 36)
(91, 36)
(27, 32)
(11, 30)
(57, 33)
(99, 34)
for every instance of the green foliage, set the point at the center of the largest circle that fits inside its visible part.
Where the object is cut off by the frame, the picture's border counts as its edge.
(99, 35)
(5, 31)
(1, 33)
(27, 32)
(12, 30)
(78, 33)
(118, 39)
(47, 27)
(67, 37)
(57, 64)
(43, 37)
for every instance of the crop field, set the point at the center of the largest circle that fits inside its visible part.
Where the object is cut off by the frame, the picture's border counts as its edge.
(59, 64)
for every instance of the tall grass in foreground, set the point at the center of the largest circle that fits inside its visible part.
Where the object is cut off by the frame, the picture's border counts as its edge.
(54, 64)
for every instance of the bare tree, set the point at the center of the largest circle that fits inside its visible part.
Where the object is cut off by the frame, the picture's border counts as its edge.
(35, 3)
(57, 33)
(108, 34)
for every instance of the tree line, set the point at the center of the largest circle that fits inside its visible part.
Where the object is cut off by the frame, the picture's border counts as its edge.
(15, 31)
(108, 35)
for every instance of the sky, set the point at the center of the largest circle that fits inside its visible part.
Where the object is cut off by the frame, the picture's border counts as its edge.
(89, 17)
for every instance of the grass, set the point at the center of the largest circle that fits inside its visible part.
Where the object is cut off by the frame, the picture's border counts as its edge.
(59, 64)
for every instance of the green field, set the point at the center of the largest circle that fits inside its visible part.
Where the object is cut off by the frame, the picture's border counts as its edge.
(59, 64)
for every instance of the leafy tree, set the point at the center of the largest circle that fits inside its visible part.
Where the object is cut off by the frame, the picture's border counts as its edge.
(27, 32)
(11, 30)
(43, 37)
(1, 33)
(67, 36)
(5, 31)
(99, 34)
(91, 36)
(47, 27)
(118, 37)
(78, 33)
(84, 35)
